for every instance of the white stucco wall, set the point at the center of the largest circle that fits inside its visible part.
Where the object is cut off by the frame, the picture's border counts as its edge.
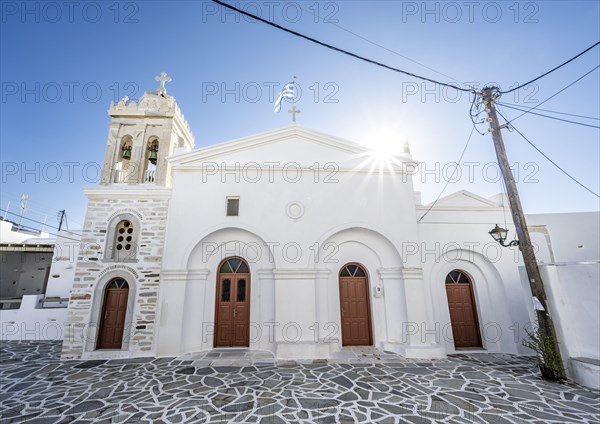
(30, 322)
(304, 222)
(574, 236)
(9, 234)
(38, 320)
(454, 235)
(571, 275)
(366, 215)
(64, 261)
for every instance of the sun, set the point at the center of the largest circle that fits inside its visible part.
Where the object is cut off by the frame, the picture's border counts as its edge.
(382, 155)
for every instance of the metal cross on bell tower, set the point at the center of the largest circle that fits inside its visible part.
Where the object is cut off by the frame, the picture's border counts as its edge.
(162, 79)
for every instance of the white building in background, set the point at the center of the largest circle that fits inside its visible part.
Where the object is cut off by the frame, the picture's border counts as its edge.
(291, 241)
(36, 277)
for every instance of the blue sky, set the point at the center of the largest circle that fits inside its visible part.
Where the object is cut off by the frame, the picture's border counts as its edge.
(61, 67)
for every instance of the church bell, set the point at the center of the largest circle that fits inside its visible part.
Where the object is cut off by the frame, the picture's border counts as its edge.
(153, 154)
(126, 152)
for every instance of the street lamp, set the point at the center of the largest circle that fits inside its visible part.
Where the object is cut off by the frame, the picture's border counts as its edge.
(499, 234)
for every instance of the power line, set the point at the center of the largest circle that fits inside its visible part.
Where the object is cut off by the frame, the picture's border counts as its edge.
(557, 93)
(47, 225)
(551, 70)
(44, 210)
(337, 49)
(451, 177)
(548, 116)
(550, 160)
(554, 111)
(476, 104)
(379, 45)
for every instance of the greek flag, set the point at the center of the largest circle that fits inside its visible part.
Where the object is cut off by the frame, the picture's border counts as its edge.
(288, 92)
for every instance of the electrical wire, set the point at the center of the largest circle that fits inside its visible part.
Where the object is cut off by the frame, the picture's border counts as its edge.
(474, 116)
(546, 156)
(548, 116)
(557, 93)
(337, 49)
(555, 111)
(44, 210)
(379, 45)
(551, 70)
(452, 177)
(46, 225)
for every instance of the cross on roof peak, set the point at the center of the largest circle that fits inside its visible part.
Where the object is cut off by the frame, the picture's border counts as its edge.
(294, 111)
(162, 79)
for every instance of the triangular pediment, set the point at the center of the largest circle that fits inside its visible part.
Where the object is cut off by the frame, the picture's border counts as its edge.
(464, 199)
(290, 144)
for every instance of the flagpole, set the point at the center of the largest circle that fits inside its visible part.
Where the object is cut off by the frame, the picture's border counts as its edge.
(294, 110)
(294, 102)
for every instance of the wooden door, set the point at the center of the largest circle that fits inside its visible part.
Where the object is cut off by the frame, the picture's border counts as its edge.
(463, 314)
(232, 315)
(114, 310)
(355, 307)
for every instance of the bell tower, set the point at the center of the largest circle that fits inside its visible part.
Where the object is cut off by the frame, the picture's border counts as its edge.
(124, 230)
(142, 135)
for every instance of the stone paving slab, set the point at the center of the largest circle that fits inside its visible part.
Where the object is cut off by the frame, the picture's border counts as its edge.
(373, 387)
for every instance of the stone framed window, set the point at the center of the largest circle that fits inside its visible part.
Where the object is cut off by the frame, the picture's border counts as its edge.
(122, 239)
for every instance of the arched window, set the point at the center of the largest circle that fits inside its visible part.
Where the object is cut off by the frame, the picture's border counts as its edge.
(457, 277)
(118, 283)
(234, 266)
(352, 270)
(122, 240)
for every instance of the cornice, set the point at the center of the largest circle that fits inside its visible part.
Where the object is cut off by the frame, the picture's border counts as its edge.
(131, 192)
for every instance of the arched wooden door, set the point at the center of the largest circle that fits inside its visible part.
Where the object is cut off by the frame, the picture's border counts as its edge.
(463, 313)
(114, 310)
(232, 310)
(355, 307)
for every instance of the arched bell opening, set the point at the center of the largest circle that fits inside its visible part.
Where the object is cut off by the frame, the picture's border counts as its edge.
(151, 160)
(123, 167)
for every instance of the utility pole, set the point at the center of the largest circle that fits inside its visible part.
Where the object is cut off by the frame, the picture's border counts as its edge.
(546, 327)
(61, 217)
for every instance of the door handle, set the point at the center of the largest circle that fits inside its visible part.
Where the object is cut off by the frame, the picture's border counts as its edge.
(234, 312)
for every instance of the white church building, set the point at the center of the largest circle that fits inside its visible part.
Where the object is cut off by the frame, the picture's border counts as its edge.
(291, 241)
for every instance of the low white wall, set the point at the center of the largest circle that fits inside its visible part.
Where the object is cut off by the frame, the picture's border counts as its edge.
(578, 287)
(586, 372)
(573, 291)
(32, 323)
(64, 261)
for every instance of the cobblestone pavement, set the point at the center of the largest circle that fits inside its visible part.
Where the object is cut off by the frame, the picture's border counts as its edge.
(36, 387)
